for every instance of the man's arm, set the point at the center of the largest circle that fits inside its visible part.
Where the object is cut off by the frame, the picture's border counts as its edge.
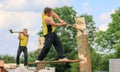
(57, 17)
(26, 34)
(50, 21)
(20, 36)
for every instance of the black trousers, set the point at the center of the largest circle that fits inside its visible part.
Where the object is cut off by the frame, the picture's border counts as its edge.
(50, 39)
(20, 50)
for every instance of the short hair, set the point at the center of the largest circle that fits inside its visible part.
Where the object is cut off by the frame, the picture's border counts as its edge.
(25, 29)
(47, 10)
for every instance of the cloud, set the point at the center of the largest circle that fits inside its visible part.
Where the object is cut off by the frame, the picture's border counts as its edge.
(34, 32)
(32, 5)
(13, 4)
(53, 3)
(19, 19)
(103, 27)
(0, 6)
(86, 7)
(19, 14)
(32, 46)
(4, 17)
(105, 19)
(16, 3)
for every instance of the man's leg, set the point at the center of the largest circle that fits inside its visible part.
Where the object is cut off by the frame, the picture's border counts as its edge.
(25, 56)
(18, 55)
(58, 46)
(46, 48)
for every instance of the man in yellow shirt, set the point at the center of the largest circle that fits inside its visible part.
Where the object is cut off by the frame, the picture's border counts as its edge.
(51, 37)
(23, 40)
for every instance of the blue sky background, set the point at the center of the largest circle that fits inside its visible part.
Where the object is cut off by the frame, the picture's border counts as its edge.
(19, 14)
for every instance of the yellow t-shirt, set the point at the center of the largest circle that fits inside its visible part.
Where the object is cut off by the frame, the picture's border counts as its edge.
(45, 26)
(23, 40)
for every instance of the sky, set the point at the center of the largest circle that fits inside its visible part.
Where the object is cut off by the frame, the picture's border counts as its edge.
(20, 14)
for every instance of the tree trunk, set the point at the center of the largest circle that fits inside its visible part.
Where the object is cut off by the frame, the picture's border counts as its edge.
(40, 46)
(82, 45)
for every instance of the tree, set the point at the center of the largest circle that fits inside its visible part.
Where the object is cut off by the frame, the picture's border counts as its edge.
(111, 36)
(7, 58)
(114, 32)
(109, 41)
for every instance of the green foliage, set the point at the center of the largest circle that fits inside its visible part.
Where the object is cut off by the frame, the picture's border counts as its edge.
(40, 33)
(110, 41)
(103, 44)
(75, 67)
(32, 56)
(66, 13)
(7, 58)
(91, 29)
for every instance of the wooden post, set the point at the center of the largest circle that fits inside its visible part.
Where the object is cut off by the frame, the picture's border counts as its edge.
(40, 46)
(2, 66)
(82, 45)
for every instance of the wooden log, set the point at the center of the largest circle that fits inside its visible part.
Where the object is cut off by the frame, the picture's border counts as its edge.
(83, 47)
(40, 46)
(57, 61)
(1, 63)
(2, 66)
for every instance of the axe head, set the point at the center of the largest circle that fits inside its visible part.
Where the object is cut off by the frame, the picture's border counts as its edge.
(11, 31)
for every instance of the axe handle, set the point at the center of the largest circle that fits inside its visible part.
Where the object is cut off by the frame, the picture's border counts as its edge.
(17, 32)
(74, 27)
(11, 31)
